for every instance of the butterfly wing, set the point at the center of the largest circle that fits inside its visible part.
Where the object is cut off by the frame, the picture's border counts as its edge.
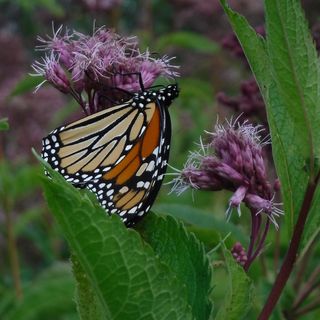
(120, 154)
(130, 188)
(84, 150)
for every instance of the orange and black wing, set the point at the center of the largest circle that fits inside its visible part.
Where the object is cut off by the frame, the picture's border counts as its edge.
(120, 153)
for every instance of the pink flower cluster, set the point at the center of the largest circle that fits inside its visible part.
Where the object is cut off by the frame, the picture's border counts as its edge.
(102, 65)
(233, 160)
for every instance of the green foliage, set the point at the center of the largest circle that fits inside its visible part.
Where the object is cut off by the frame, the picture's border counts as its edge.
(129, 279)
(238, 299)
(185, 256)
(204, 221)
(52, 6)
(296, 73)
(188, 40)
(27, 176)
(187, 122)
(287, 69)
(195, 92)
(49, 297)
(88, 304)
(160, 270)
(29, 216)
(4, 125)
(26, 84)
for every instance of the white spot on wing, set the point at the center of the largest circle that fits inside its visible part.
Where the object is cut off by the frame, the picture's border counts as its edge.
(140, 184)
(110, 192)
(151, 166)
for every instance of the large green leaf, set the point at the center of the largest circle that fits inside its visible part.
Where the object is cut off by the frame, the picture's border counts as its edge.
(47, 297)
(296, 74)
(252, 43)
(203, 220)
(88, 304)
(287, 70)
(239, 296)
(128, 278)
(185, 256)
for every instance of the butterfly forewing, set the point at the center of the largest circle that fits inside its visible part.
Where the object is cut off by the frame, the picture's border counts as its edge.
(120, 153)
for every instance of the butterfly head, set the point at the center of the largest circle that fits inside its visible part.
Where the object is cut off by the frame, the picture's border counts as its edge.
(168, 94)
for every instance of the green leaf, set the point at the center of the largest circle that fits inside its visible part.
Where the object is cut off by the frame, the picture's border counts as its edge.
(238, 299)
(185, 256)
(252, 43)
(128, 278)
(286, 67)
(296, 74)
(4, 125)
(48, 297)
(88, 304)
(27, 84)
(204, 220)
(187, 40)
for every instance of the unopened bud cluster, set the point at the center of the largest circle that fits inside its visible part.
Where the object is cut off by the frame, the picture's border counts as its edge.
(239, 253)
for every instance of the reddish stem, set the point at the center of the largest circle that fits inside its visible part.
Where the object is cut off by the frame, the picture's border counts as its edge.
(309, 286)
(304, 260)
(290, 258)
(309, 307)
(262, 240)
(252, 238)
(276, 255)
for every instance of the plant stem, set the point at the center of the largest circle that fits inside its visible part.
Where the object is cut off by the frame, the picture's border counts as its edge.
(262, 240)
(253, 236)
(290, 258)
(276, 255)
(309, 286)
(304, 259)
(309, 307)
(256, 224)
(12, 251)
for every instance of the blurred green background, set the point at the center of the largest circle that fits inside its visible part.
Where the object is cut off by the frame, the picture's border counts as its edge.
(35, 280)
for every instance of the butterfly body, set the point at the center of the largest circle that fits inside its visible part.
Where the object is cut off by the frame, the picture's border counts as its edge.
(120, 153)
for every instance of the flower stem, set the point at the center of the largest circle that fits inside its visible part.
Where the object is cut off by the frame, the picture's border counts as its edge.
(290, 258)
(262, 240)
(276, 255)
(259, 246)
(309, 307)
(309, 286)
(303, 260)
(252, 239)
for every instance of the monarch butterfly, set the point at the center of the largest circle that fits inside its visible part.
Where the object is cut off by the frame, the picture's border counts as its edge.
(120, 153)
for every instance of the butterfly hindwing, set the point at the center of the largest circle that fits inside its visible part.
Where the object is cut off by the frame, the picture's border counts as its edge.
(134, 185)
(119, 153)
